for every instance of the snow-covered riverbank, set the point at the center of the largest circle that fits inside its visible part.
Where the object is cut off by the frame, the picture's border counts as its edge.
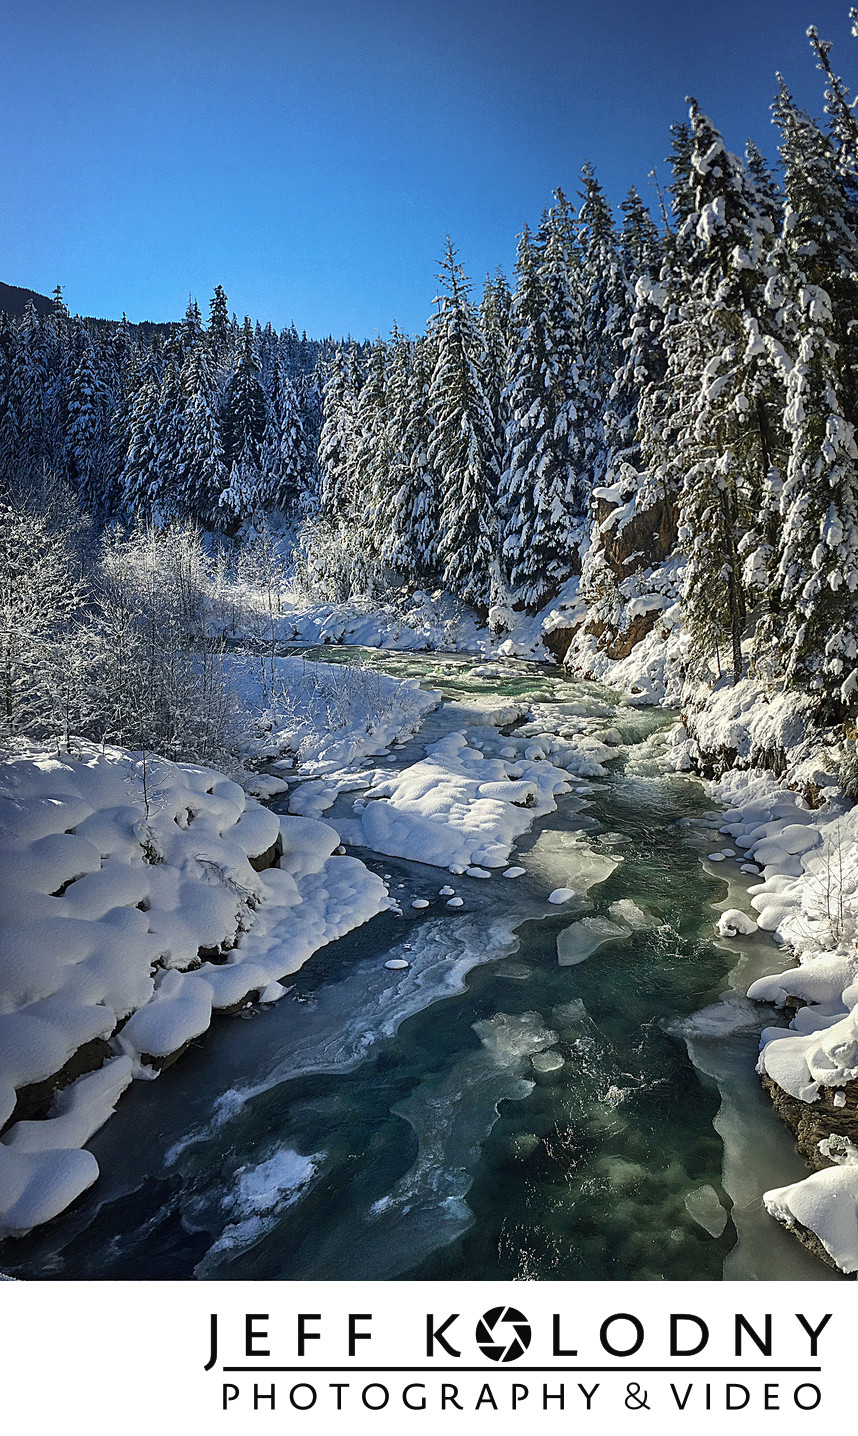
(140, 898)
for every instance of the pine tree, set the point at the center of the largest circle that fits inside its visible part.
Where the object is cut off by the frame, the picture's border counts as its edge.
(732, 444)
(462, 448)
(89, 404)
(241, 498)
(370, 459)
(769, 196)
(200, 465)
(165, 500)
(139, 478)
(406, 519)
(244, 416)
(628, 491)
(818, 553)
(607, 304)
(561, 281)
(843, 127)
(538, 534)
(641, 256)
(338, 438)
(219, 327)
(285, 460)
(495, 312)
(10, 452)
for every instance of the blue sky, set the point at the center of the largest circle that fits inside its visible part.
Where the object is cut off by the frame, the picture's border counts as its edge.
(311, 155)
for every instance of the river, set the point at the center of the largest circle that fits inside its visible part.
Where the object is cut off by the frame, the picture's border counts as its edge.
(488, 1112)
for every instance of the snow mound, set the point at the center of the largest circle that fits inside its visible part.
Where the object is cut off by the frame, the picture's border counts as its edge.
(130, 911)
(456, 808)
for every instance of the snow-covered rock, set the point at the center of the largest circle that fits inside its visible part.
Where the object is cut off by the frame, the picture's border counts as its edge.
(130, 911)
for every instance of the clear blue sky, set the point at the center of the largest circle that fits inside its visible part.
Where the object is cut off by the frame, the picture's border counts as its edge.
(311, 155)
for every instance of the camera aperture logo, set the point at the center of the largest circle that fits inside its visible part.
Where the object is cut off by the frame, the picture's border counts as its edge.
(400, 1356)
(503, 1334)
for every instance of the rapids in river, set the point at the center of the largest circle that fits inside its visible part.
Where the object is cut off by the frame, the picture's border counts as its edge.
(544, 1092)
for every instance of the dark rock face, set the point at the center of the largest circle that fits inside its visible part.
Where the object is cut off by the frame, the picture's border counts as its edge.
(618, 643)
(32, 1102)
(644, 541)
(557, 642)
(648, 538)
(810, 1124)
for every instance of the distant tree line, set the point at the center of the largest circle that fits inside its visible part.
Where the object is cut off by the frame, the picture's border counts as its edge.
(210, 424)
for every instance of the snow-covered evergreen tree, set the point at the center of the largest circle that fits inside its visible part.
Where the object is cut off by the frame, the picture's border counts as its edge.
(338, 439)
(818, 554)
(732, 443)
(244, 410)
(285, 460)
(538, 532)
(462, 447)
(408, 521)
(200, 465)
(89, 404)
(606, 303)
(495, 311)
(139, 478)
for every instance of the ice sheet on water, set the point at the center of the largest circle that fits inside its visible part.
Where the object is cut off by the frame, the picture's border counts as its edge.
(704, 1207)
(583, 938)
(507, 1037)
(547, 1062)
(626, 911)
(274, 1182)
(259, 1195)
(563, 859)
(570, 1014)
(518, 971)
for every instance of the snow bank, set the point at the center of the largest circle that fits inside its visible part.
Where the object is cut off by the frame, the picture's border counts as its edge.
(404, 622)
(807, 897)
(130, 911)
(327, 715)
(825, 1203)
(456, 807)
(747, 726)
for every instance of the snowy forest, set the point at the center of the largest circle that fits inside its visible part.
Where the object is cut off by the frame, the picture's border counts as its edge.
(662, 405)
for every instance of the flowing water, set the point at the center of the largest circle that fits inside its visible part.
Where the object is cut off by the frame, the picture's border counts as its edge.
(507, 1106)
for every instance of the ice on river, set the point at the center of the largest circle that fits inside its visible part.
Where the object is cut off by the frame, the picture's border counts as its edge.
(704, 1207)
(583, 938)
(563, 859)
(259, 1195)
